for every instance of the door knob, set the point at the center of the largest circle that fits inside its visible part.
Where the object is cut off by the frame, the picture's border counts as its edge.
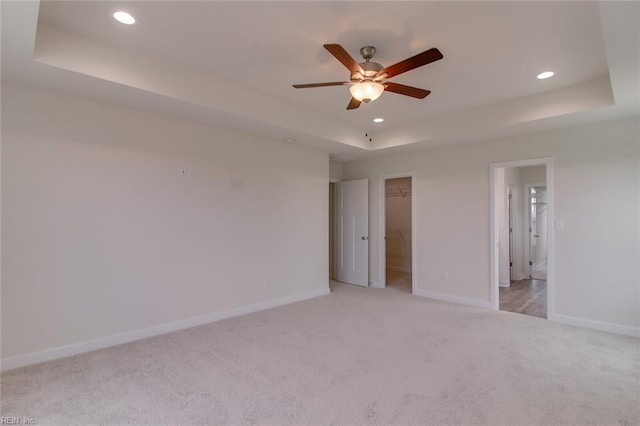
(363, 238)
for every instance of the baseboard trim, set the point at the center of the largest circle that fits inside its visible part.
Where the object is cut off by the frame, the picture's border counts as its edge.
(376, 284)
(504, 283)
(596, 325)
(443, 297)
(143, 333)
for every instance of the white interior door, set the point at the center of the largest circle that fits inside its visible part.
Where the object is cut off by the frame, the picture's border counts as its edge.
(352, 228)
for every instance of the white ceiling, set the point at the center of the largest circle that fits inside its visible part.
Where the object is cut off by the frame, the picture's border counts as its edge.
(234, 63)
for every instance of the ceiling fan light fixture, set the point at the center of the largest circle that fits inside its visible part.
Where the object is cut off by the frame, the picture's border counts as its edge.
(366, 91)
(368, 79)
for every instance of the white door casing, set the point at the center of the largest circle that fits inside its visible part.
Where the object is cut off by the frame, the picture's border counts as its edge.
(352, 230)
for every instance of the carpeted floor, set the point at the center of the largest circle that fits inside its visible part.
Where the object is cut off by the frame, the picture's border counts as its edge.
(356, 356)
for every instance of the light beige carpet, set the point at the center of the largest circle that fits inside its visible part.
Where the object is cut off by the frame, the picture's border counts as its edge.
(356, 356)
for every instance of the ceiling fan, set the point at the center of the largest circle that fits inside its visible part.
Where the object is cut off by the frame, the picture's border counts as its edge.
(368, 79)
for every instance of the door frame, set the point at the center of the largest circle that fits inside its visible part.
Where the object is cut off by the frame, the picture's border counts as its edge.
(382, 258)
(332, 212)
(332, 229)
(511, 232)
(494, 227)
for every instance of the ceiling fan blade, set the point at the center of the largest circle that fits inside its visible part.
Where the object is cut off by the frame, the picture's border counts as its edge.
(333, 83)
(401, 89)
(353, 103)
(340, 54)
(413, 62)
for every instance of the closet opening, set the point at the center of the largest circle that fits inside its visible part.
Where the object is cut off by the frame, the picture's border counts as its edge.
(398, 242)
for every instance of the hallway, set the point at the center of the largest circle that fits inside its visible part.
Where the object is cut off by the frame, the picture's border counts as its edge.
(399, 280)
(527, 297)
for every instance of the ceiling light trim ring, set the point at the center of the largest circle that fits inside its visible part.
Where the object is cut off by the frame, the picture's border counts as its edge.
(124, 17)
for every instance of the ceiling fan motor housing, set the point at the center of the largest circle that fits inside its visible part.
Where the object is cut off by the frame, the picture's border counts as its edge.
(371, 69)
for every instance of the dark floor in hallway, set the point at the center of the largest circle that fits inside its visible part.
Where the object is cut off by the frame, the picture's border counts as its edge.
(528, 297)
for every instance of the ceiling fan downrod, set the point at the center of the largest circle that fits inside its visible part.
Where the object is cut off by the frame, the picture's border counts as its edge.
(367, 52)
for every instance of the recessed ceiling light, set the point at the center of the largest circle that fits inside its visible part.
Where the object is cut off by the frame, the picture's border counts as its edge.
(378, 120)
(545, 74)
(124, 17)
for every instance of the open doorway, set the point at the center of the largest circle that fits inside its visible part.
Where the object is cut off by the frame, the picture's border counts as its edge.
(521, 237)
(398, 230)
(332, 232)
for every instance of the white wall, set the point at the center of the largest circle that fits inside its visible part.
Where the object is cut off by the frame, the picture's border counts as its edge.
(532, 174)
(335, 171)
(596, 170)
(101, 236)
